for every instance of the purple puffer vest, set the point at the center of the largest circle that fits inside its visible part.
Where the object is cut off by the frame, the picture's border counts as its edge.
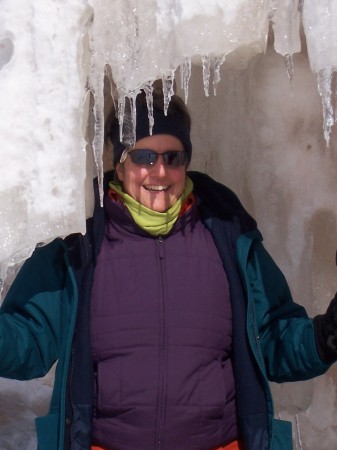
(161, 333)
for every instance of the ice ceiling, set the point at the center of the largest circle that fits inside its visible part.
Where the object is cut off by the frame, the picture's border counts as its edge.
(51, 56)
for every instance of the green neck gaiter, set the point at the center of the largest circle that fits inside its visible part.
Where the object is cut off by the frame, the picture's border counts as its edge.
(153, 222)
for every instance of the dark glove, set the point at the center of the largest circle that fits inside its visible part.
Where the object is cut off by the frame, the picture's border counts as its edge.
(325, 326)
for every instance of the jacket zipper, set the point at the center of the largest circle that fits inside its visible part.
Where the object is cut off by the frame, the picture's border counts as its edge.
(66, 421)
(161, 400)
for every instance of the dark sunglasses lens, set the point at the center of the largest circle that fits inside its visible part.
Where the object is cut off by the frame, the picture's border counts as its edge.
(175, 158)
(143, 156)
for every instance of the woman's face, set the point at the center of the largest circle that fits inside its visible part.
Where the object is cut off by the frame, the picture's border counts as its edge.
(156, 186)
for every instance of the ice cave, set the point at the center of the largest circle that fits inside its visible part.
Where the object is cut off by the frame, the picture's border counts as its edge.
(259, 78)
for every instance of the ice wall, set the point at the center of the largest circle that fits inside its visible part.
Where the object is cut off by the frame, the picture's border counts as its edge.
(136, 42)
(43, 156)
(50, 57)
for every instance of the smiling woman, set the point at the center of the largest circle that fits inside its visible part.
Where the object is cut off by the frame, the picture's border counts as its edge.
(153, 172)
(157, 186)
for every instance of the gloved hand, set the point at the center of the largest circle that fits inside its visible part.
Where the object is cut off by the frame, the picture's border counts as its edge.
(325, 326)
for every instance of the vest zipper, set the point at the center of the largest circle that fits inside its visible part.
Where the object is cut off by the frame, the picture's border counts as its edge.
(161, 400)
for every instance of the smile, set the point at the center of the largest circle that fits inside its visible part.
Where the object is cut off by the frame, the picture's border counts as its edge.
(156, 188)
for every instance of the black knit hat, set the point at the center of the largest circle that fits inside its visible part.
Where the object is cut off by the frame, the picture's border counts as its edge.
(177, 123)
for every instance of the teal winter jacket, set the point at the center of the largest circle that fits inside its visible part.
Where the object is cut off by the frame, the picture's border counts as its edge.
(45, 319)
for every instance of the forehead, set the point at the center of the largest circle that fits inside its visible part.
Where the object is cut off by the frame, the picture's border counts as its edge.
(160, 142)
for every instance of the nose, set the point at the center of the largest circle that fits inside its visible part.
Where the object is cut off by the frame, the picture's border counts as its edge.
(159, 167)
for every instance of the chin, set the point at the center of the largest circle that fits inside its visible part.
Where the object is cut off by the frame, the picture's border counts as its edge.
(159, 208)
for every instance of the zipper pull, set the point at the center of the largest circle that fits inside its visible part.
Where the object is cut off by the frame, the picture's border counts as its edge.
(160, 241)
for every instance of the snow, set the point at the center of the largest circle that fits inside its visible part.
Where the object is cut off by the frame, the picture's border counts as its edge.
(20, 403)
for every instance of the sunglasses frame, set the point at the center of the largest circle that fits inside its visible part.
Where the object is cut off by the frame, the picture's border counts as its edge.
(147, 152)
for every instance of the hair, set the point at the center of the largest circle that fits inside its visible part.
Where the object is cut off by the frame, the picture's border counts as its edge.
(177, 122)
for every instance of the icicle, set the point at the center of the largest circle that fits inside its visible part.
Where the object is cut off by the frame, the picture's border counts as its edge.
(185, 71)
(206, 73)
(127, 117)
(168, 91)
(285, 17)
(132, 140)
(218, 61)
(96, 86)
(128, 121)
(148, 89)
(121, 112)
(288, 59)
(324, 78)
(98, 144)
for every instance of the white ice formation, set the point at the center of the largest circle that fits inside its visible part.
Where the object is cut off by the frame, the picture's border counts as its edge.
(41, 112)
(51, 55)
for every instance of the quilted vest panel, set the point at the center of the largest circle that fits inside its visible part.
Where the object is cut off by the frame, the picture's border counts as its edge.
(161, 333)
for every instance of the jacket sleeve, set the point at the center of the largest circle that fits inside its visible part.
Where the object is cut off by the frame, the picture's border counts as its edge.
(283, 332)
(35, 314)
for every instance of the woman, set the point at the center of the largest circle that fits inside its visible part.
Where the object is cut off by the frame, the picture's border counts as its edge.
(167, 318)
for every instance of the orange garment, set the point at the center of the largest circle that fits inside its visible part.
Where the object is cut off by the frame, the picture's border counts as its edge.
(233, 446)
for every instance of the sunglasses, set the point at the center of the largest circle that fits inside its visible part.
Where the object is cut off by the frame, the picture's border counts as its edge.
(147, 157)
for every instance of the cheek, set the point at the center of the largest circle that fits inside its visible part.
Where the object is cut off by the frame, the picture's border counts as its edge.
(127, 173)
(132, 178)
(179, 179)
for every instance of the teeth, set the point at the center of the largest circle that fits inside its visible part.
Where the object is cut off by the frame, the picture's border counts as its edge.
(156, 188)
